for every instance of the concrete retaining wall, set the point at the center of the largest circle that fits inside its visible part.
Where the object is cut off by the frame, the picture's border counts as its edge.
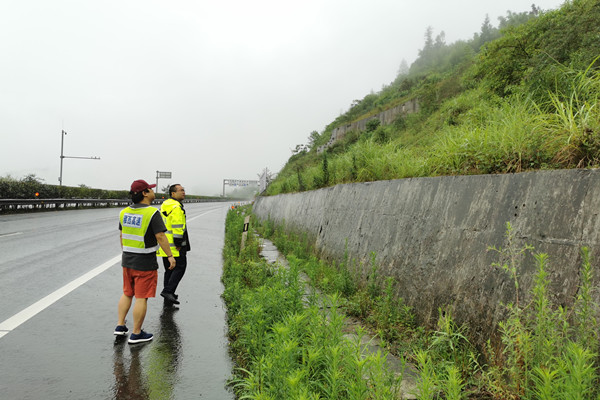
(433, 234)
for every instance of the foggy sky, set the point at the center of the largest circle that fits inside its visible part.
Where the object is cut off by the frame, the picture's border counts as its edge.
(208, 90)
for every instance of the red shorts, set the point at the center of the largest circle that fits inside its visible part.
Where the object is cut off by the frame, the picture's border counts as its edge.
(142, 284)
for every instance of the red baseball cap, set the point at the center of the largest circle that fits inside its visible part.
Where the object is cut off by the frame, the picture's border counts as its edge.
(140, 185)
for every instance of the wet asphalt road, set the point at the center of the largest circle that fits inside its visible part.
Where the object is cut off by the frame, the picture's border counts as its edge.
(68, 350)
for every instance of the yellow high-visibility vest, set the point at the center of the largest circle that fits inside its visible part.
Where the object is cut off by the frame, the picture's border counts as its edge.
(134, 224)
(174, 219)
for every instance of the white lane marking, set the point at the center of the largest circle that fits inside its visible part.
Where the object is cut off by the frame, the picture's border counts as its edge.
(3, 235)
(13, 322)
(198, 216)
(19, 318)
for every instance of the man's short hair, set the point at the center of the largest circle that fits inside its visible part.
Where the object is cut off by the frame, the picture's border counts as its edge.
(137, 197)
(173, 188)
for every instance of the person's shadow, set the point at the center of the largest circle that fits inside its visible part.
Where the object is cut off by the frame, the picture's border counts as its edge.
(159, 372)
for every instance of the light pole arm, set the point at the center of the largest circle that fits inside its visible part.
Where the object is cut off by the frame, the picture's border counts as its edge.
(62, 156)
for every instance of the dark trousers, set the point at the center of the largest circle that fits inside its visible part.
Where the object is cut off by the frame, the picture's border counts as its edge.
(173, 276)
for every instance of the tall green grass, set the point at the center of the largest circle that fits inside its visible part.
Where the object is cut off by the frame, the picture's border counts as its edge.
(574, 119)
(546, 351)
(283, 350)
(509, 139)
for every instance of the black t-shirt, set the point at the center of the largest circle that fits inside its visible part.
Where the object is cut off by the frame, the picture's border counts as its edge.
(145, 262)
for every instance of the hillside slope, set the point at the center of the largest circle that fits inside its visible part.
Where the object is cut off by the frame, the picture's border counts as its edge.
(520, 96)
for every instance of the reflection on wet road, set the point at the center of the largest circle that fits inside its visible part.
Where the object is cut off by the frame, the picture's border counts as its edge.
(160, 375)
(129, 380)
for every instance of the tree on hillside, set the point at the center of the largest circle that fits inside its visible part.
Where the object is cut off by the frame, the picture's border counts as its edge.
(428, 41)
(432, 55)
(486, 35)
(518, 18)
(403, 68)
(313, 139)
(440, 41)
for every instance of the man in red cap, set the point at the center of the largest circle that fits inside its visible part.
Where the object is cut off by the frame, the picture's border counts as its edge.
(142, 233)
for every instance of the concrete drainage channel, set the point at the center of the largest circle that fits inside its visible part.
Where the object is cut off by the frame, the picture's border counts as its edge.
(408, 386)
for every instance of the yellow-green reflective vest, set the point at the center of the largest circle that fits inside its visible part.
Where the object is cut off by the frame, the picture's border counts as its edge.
(134, 224)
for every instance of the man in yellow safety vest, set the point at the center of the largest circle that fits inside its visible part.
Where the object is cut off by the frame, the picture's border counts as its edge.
(173, 215)
(142, 233)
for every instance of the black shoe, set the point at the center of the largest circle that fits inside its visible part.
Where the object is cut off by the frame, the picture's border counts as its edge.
(121, 330)
(140, 337)
(169, 297)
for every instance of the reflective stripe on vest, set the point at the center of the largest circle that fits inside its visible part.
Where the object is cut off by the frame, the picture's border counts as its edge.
(177, 235)
(134, 225)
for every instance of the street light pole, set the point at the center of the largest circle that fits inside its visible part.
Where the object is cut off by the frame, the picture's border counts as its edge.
(62, 156)
(62, 144)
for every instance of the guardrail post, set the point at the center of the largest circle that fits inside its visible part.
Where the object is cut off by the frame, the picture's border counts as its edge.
(245, 231)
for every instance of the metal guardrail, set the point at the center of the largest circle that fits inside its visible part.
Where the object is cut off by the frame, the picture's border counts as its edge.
(26, 205)
(11, 205)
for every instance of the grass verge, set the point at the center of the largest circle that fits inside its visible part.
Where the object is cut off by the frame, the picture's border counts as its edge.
(547, 351)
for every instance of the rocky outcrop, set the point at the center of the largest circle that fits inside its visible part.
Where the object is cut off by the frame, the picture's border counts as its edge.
(385, 118)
